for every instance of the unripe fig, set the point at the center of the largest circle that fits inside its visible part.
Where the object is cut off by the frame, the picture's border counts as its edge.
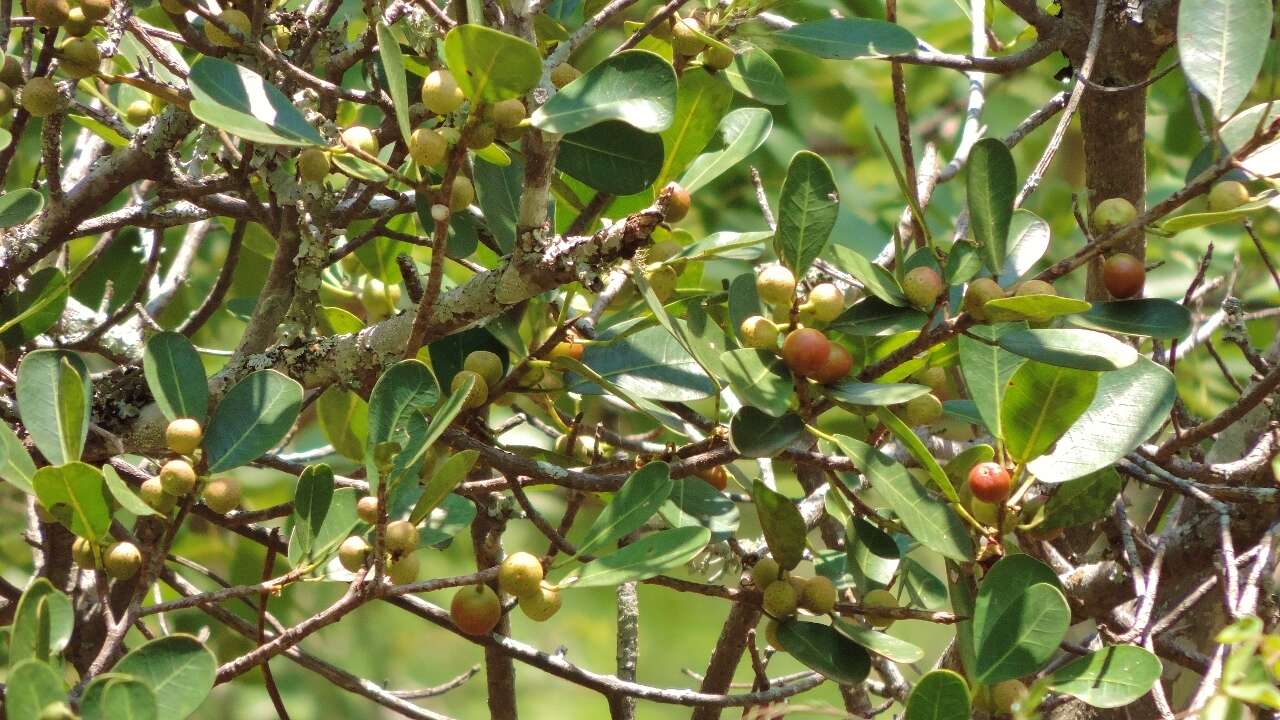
(985, 512)
(50, 13)
(1123, 275)
(232, 18)
(663, 251)
(440, 92)
(95, 10)
(353, 552)
(836, 368)
(508, 114)
(922, 286)
(283, 37)
(542, 603)
(979, 292)
(717, 57)
(183, 435)
(178, 477)
(479, 392)
(520, 574)
(780, 599)
(806, 351)
(923, 410)
(7, 99)
(571, 350)
(935, 378)
(826, 302)
(481, 135)
(485, 364)
(878, 599)
(82, 554)
(765, 572)
(776, 285)
(138, 112)
(427, 147)
(222, 495)
(563, 74)
(820, 595)
(378, 298)
(122, 560)
(40, 97)
(404, 569)
(476, 609)
(361, 138)
(462, 194)
(1112, 213)
(11, 71)
(401, 537)
(1228, 195)
(367, 509)
(313, 166)
(79, 57)
(686, 38)
(989, 482)
(1035, 287)
(663, 282)
(77, 24)
(679, 204)
(153, 494)
(662, 30)
(715, 476)
(759, 332)
(1005, 695)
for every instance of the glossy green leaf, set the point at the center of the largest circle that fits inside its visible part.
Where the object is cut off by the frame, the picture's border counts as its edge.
(1149, 317)
(101, 129)
(847, 38)
(916, 447)
(454, 514)
(701, 103)
(112, 696)
(26, 313)
(754, 433)
(872, 555)
(931, 520)
(1010, 576)
(649, 364)
(874, 317)
(404, 388)
(1239, 130)
(240, 101)
(414, 454)
(694, 502)
(442, 482)
(178, 668)
(1028, 241)
(1040, 403)
(755, 75)
(876, 279)
(651, 555)
(175, 376)
(1221, 46)
(30, 686)
(634, 86)
(344, 419)
(1079, 349)
(991, 184)
(1129, 407)
(939, 695)
(1108, 678)
(124, 497)
(42, 623)
(631, 507)
(888, 646)
(780, 522)
(964, 262)
(1024, 636)
(16, 466)
(19, 206)
(253, 417)
(490, 65)
(498, 194)
(311, 502)
(1032, 308)
(339, 521)
(1191, 221)
(53, 401)
(742, 131)
(1083, 500)
(825, 651)
(75, 494)
(807, 210)
(760, 379)
(987, 369)
(397, 82)
(874, 394)
(612, 157)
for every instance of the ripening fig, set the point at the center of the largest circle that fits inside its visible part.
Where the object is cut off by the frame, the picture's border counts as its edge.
(679, 204)
(222, 495)
(183, 435)
(78, 25)
(82, 553)
(481, 135)
(923, 410)
(49, 13)
(479, 392)
(1035, 287)
(563, 74)
(776, 285)
(153, 494)
(427, 147)
(461, 194)
(122, 560)
(662, 30)
(825, 301)
(178, 477)
(806, 351)
(663, 282)
(41, 97)
(715, 476)
(476, 609)
(765, 572)
(542, 603)
(978, 294)
(1123, 275)
(780, 599)
(95, 10)
(404, 569)
(1112, 213)
(520, 574)
(874, 600)
(935, 378)
(232, 18)
(7, 99)
(759, 332)
(508, 114)
(353, 552)
(313, 166)
(401, 537)
(11, 71)
(367, 509)
(138, 112)
(686, 36)
(1228, 195)
(836, 368)
(440, 92)
(922, 286)
(717, 57)
(360, 138)
(989, 482)
(486, 364)
(79, 57)
(819, 595)
(1005, 695)
(571, 350)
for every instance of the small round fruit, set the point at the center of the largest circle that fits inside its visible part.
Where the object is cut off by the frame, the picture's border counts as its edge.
(122, 560)
(79, 57)
(178, 477)
(806, 351)
(476, 609)
(440, 92)
(378, 298)
(679, 204)
(716, 476)
(404, 569)
(1112, 213)
(1228, 195)
(401, 537)
(481, 135)
(78, 25)
(542, 603)
(183, 435)
(989, 482)
(486, 364)
(367, 509)
(836, 368)
(1005, 695)
(138, 112)
(462, 194)
(826, 302)
(82, 554)
(479, 392)
(686, 38)
(11, 71)
(233, 19)
(923, 410)
(572, 350)
(50, 13)
(427, 147)
(935, 378)
(153, 494)
(922, 286)
(563, 74)
(878, 599)
(819, 595)
(663, 251)
(662, 30)
(663, 282)
(508, 113)
(313, 166)
(353, 552)
(776, 285)
(222, 495)
(360, 138)
(40, 97)
(7, 99)
(1035, 287)
(520, 574)
(759, 332)
(717, 57)
(978, 294)
(765, 572)
(780, 599)
(95, 10)
(283, 37)
(1123, 275)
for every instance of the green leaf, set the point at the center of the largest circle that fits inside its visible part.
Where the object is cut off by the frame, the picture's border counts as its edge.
(991, 184)
(637, 501)
(807, 211)
(490, 65)
(742, 131)
(1028, 241)
(888, 646)
(878, 281)
(397, 82)
(1191, 221)
(442, 482)
(498, 192)
(338, 523)
(634, 86)
(16, 465)
(31, 686)
(1024, 636)
(1040, 403)
(874, 317)
(1079, 349)
(852, 393)
(1149, 317)
(916, 447)
(825, 651)
(743, 302)
(964, 262)
(35, 308)
(760, 379)
(53, 403)
(1032, 308)
(178, 668)
(701, 103)
(449, 353)
(112, 696)
(939, 695)
(694, 502)
(344, 419)
(1083, 500)
(415, 453)
(102, 130)
(240, 101)
(649, 364)
(1239, 130)
(42, 623)
(176, 376)
(1129, 407)
(754, 433)
(19, 206)
(1108, 678)
(1221, 46)
(755, 75)
(612, 157)
(76, 495)
(848, 38)
(453, 516)
(872, 556)
(252, 418)
(311, 502)
(649, 556)
(781, 524)
(931, 521)
(404, 388)
(987, 369)
(123, 495)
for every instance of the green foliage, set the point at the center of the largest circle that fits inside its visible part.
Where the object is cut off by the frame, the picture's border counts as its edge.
(638, 499)
(252, 418)
(178, 669)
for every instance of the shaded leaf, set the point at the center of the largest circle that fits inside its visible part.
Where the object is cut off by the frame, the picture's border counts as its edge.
(1083, 500)
(756, 434)
(760, 379)
(649, 364)
(874, 394)
(1150, 317)
(253, 417)
(742, 131)
(1040, 403)
(1108, 678)
(872, 554)
(176, 376)
(807, 211)
(991, 184)
(1079, 349)
(123, 495)
(781, 524)
(442, 482)
(847, 38)
(42, 623)
(178, 668)
(634, 503)
(755, 75)
(701, 103)
(939, 695)
(76, 495)
(53, 402)
(112, 696)
(987, 369)
(311, 502)
(16, 465)
(19, 206)
(1221, 46)
(825, 651)
(30, 686)
(612, 157)
(240, 101)
(877, 280)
